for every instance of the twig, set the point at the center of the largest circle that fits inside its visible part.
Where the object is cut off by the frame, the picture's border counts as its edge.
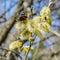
(4, 19)
(54, 32)
(11, 23)
(57, 53)
(52, 3)
(11, 51)
(28, 51)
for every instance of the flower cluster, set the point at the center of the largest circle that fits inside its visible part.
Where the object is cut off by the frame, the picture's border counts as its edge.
(18, 44)
(38, 25)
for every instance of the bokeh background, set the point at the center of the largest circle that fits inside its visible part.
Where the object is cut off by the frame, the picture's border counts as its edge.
(49, 49)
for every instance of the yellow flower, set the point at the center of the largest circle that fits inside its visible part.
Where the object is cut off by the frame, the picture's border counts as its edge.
(21, 25)
(31, 48)
(31, 39)
(37, 19)
(25, 34)
(15, 44)
(26, 48)
(48, 20)
(45, 11)
(39, 32)
(45, 27)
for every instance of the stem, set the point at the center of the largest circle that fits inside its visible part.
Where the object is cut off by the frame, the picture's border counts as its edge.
(11, 51)
(54, 32)
(28, 51)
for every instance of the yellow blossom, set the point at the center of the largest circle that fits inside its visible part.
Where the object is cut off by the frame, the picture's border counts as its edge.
(45, 27)
(45, 11)
(15, 44)
(25, 34)
(26, 48)
(31, 39)
(48, 19)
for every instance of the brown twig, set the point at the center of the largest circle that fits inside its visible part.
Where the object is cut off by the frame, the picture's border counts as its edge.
(11, 23)
(28, 51)
(11, 51)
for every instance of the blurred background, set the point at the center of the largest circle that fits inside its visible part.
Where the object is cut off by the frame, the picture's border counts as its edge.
(10, 11)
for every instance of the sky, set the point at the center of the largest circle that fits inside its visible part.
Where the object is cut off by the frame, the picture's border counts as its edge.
(5, 5)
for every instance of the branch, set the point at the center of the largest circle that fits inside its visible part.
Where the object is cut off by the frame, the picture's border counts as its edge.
(10, 24)
(57, 53)
(8, 9)
(28, 51)
(11, 51)
(12, 21)
(3, 19)
(54, 32)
